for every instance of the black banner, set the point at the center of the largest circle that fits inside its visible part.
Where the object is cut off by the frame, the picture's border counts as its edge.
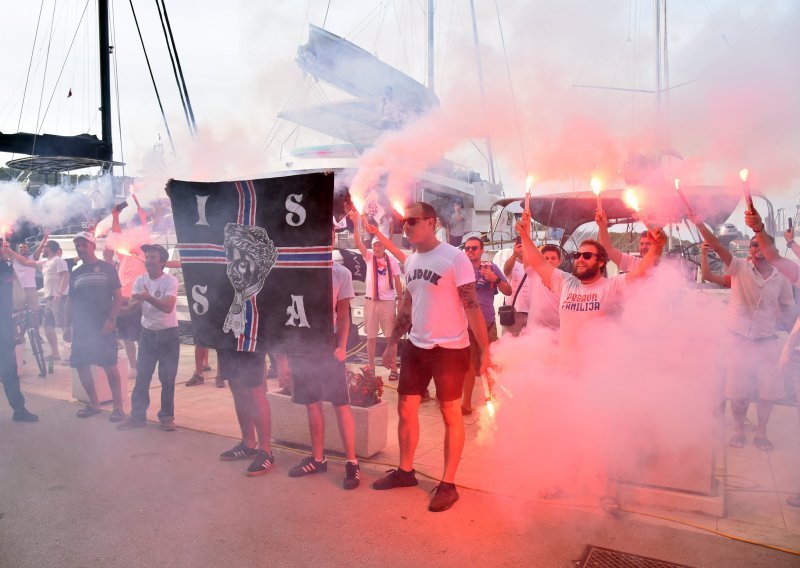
(256, 258)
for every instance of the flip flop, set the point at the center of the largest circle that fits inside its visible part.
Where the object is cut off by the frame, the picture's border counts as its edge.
(610, 505)
(394, 375)
(794, 500)
(736, 441)
(87, 411)
(763, 444)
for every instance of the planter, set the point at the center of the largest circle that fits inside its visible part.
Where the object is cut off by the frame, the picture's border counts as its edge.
(290, 424)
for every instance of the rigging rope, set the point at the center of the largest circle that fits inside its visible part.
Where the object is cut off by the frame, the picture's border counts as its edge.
(30, 63)
(174, 69)
(511, 88)
(152, 78)
(116, 88)
(182, 81)
(44, 76)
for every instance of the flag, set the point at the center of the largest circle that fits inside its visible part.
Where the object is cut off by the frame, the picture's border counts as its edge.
(256, 259)
(355, 264)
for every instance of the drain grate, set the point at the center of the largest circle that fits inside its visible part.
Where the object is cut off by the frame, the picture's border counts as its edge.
(598, 557)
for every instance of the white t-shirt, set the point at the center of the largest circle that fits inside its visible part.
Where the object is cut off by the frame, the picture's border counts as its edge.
(52, 268)
(543, 306)
(342, 287)
(756, 302)
(523, 300)
(628, 262)
(437, 314)
(163, 286)
(385, 292)
(584, 304)
(25, 274)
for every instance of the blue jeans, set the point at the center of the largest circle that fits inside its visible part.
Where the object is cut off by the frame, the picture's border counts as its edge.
(9, 376)
(162, 348)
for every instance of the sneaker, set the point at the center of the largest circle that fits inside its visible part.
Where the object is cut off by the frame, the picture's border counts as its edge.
(206, 368)
(22, 415)
(308, 466)
(446, 495)
(396, 478)
(87, 411)
(220, 382)
(117, 415)
(168, 425)
(352, 475)
(261, 465)
(238, 452)
(195, 380)
(130, 423)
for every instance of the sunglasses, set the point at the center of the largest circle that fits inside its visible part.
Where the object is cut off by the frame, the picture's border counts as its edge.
(411, 221)
(584, 255)
(470, 248)
(754, 245)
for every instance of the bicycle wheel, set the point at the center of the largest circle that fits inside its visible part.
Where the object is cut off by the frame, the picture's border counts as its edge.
(38, 352)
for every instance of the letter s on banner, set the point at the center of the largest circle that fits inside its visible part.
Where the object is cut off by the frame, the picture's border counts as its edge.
(296, 215)
(200, 303)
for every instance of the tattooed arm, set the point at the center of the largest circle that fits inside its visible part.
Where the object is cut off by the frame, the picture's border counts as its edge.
(469, 299)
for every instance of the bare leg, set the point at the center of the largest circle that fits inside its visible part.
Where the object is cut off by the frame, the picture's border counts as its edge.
(453, 438)
(262, 418)
(243, 403)
(469, 386)
(408, 428)
(347, 430)
(115, 384)
(316, 426)
(739, 411)
(200, 360)
(764, 410)
(52, 340)
(371, 345)
(130, 351)
(87, 381)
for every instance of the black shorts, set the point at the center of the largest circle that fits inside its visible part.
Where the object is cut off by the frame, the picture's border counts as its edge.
(447, 367)
(90, 346)
(129, 326)
(317, 379)
(242, 366)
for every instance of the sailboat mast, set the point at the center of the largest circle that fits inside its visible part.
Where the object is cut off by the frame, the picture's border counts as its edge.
(476, 43)
(105, 73)
(431, 85)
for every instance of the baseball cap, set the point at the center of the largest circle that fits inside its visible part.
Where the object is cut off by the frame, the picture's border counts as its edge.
(85, 235)
(159, 249)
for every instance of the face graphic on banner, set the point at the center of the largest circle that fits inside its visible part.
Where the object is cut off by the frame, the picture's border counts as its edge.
(250, 255)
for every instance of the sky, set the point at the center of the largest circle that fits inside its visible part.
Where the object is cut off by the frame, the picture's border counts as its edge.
(737, 104)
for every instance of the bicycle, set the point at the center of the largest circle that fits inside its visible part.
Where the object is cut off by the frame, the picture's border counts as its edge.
(24, 322)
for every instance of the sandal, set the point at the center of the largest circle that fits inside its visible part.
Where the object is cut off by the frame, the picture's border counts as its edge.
(610, 505)
(736, 441)
(763, 444)
(394, 376)
(117, 415)
(87, 411)
(794, 500)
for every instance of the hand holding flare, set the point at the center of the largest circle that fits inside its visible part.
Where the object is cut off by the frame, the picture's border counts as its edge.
(632, 201)
(528, 186)
(744, 173)
(689, 210)
(597, 188)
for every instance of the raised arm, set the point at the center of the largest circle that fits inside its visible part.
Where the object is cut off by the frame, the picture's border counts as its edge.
(712, 241)
(531, 254)
(767, 243)
(705, 268)
(386, 241)
(356, 218)
(38, 252)
(15, 256)
(508, 266)
(651, 258)
(476, 321)
(604, 238)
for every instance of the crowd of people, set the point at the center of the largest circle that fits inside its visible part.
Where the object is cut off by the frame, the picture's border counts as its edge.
(442, 299)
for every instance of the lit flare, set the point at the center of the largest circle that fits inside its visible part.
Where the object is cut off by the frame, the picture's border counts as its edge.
(632, 200)
(683, 197)
(399, 208)
(744, 173)
(528, 186)
(358, 203)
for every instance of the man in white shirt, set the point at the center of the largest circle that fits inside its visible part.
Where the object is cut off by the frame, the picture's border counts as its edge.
(324, 378)
(153, 295)
(383, 286)
(760, 298)
(25, 269)
(439, 305)
(624, 261)
(514, 269)
(56, 282)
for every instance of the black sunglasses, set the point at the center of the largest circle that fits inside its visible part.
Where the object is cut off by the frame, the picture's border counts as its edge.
(584, 255)
(475, 247)
(413, 220)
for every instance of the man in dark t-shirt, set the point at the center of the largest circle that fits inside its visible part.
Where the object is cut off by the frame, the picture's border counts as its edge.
(8, 359)
(94, 302)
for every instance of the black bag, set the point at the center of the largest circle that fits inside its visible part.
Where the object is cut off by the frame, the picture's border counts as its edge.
(508, 314)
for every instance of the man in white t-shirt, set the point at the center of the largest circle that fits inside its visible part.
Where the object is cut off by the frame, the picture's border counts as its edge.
(514, 269)
(624, 261)
(56, 283)
(383, 286)
(153, 295)
(790, 357)
(439, 305)
(543, 303)
(324, 378)
(761, 298)
(25, 269)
